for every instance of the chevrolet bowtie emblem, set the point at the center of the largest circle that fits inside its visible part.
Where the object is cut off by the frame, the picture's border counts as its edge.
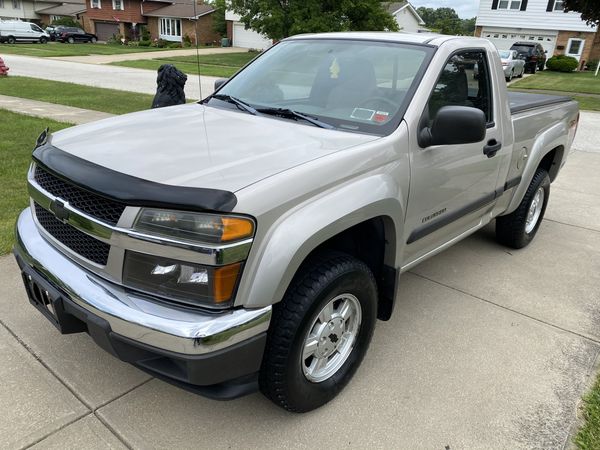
(59, 210)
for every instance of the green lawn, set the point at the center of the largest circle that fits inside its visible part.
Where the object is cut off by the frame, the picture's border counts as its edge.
(588, 437)
(17, 137)
(577, 82)
(87, 97)
(59, 49)
(222, 65)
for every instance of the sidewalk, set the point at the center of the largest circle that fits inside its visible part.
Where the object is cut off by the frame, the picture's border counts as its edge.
(99, 75)
(107, 59)
(60, 113)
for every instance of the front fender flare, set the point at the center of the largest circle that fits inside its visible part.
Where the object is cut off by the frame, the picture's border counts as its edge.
(288, 242)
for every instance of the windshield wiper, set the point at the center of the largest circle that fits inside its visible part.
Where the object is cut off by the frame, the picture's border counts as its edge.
(237, 102)
(290, 113)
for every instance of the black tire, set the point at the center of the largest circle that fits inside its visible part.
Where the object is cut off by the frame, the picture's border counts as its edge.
(282, 378)
(510, 77)
(93, 40)
(511, 229)
(70, 40)
(11, 40)
(43, 40)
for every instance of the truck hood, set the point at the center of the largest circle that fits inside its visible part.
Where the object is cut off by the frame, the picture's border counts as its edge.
(198, 146)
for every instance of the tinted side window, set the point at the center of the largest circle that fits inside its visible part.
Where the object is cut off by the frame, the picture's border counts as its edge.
(465, 81)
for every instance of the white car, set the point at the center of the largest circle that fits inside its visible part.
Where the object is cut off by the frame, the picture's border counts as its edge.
(15, 30)
(513, 65)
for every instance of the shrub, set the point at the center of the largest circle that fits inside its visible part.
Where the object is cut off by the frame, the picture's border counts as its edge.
(592, 65)
(67, 22)
(145, 33)
(187, 41)
(115, 39)
(160, 43)
(173, 45)
(144, 43)
(562, 63)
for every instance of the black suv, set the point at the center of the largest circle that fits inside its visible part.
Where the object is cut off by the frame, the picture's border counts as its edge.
(72, 35)
(533, 53)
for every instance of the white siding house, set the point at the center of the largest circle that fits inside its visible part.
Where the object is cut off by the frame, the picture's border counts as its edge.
(240, 37)
(505, 22)
(407, 17)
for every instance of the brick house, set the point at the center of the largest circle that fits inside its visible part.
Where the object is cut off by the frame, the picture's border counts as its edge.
(505, 22)
(106, 18)
(178, 20)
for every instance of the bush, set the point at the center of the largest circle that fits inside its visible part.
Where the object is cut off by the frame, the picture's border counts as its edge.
(562, 63)
(592, 65)
(144, 43)
(160, 43)
(187, 41)
(115, 39)
(145, 34)
(174, 45)
(66, 22)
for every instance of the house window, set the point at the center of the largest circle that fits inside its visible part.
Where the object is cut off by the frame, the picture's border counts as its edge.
(55, 18)
(558, 5)
(170, 29)
(16, 4)
(118, 4)
(509, 4)
(96, 4)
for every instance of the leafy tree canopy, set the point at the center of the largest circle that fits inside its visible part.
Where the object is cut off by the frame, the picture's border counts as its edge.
(279, 19)
(219, 23)
(589, 9)
(446, 21)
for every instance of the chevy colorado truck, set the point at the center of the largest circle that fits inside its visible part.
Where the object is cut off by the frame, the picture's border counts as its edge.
(252, 240)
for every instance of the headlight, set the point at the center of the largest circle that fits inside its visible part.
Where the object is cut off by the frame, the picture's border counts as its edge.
(182, 281)
(195, 227)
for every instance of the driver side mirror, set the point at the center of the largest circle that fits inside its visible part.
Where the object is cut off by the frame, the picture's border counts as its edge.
(220, 82)
(454, 125)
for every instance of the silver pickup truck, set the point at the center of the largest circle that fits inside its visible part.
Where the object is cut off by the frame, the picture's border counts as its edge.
(252, 240)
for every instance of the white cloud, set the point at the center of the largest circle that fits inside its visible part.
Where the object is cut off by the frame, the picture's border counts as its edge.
(464, 8)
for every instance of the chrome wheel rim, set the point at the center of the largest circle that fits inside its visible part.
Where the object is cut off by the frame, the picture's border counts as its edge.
(331, 338)
(535, 210)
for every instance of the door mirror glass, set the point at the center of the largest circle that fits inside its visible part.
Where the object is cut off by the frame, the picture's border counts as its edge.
(454, 125)
(220, 82)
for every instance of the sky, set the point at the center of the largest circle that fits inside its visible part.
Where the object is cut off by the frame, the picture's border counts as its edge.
(465, 8)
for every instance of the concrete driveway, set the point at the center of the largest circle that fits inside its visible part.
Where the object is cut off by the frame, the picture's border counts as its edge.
(489, 348)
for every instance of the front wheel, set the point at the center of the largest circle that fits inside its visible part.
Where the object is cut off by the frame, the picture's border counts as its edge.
(43, 40)
(320, 332)
(518, 229)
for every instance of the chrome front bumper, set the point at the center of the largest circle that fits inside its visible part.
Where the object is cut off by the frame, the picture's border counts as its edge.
(134, 316)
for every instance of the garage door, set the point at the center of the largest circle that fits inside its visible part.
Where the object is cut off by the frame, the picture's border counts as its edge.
(105, 30)
(504, 39)
(249, 38)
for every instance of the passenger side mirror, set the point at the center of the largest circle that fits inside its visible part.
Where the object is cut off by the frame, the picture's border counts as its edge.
(454, 125)
(220, 82)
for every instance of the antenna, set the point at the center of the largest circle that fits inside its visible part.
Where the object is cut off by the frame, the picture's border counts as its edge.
(197, 50)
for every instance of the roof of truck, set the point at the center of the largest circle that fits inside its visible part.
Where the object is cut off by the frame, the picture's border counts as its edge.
(413, 38)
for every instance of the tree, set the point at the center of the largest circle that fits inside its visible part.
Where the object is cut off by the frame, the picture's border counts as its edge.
(219, 23)
(589, 9)
(279, 19)
(446, 21)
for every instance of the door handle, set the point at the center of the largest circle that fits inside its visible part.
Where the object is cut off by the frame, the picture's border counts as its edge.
(492, 148)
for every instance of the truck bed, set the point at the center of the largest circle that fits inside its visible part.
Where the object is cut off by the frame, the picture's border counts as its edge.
(522, 101)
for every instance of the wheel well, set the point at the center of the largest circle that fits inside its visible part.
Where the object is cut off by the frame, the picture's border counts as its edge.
(373, 242)
(551, 161)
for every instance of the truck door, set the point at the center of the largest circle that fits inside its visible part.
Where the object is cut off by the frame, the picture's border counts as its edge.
(452, 187)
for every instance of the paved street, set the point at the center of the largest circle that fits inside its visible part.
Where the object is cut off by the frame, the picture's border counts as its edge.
(489, 348)
(104, 76)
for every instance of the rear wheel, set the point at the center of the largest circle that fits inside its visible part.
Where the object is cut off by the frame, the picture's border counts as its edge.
(518, 229)
(70, 40)
(93, 40)
(320, 332)
(11, 40)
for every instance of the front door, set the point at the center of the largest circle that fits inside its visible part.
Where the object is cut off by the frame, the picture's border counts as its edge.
(575, 48)
(453, 187)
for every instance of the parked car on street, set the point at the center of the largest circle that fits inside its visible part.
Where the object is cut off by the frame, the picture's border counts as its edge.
(252, 240)
(533, 53)
(12, 31)
(513, 65)
(53, 30)
(72, 35)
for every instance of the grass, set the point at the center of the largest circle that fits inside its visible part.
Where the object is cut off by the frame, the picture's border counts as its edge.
(222, 65)
(576, 82)
(59, 49)
(588, 103)
(17, 137)
(87, 97)
(588, 437)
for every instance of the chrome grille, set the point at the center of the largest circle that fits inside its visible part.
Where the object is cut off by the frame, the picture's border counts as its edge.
(82, 244)
(108, 211)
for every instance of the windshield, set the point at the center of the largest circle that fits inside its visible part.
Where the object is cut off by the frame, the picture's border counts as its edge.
(523, 49)
(504, 54)
(353, 85)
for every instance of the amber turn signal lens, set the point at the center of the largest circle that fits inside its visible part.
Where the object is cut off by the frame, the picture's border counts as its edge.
(236, 228)
(224, 282)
